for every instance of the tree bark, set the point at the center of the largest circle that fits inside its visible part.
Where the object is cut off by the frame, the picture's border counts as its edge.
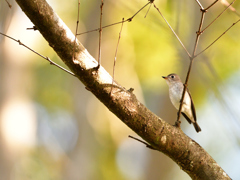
(188, 154)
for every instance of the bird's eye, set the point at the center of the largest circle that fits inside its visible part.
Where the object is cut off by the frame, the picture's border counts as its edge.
(172, 76)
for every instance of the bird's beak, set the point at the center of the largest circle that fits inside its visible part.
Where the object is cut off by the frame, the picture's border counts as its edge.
(164, 77)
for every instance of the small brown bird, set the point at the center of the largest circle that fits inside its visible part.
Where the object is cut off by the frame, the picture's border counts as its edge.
(175, 93)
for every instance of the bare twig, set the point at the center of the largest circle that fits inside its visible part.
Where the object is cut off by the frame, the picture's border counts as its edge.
(173, 31)
(130, 19)
(200, 5)
(102, 27)
(199, 32)
(49, 60)
(178, 122)
(217, 38)
(115, 57)
(224, 2)
(211, 5)
(191, 57)
(217, 17)
(148, 10)
(147, 145)
(100, 35)
(33, 28)
(76, 30)
(127, 20)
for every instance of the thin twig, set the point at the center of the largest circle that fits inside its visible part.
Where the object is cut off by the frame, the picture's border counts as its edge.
(178, 122)
(115, 57)
(199, 32)
(33, 28)
(217, 38)
(147, 145)
(76, 31)
(224, 2)
(130, 19)
(205, 9)
(102, 27)
(127, 20)
(148, 10)
(49, 60)
(200, 5)
(217, 16)
(100, 35)
(172, 31)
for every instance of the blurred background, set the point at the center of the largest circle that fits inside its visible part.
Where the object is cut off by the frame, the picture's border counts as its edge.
(52, 128)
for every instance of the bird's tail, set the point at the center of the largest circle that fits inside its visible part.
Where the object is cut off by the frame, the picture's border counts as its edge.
(197, 127)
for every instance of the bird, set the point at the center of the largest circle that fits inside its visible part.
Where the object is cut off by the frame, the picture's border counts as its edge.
(175, 93)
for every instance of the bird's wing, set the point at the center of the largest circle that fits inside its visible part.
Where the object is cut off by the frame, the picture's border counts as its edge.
(186, 117)
(192, 107)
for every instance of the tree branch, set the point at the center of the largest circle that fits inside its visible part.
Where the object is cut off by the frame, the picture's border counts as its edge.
(190, 156)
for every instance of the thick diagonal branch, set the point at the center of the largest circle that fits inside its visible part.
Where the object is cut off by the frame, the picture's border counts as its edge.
(164, 137)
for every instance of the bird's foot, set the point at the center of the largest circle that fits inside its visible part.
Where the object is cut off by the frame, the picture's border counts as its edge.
(177, 123)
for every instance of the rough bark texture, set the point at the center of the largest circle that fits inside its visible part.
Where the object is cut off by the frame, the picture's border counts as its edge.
(190, 156)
